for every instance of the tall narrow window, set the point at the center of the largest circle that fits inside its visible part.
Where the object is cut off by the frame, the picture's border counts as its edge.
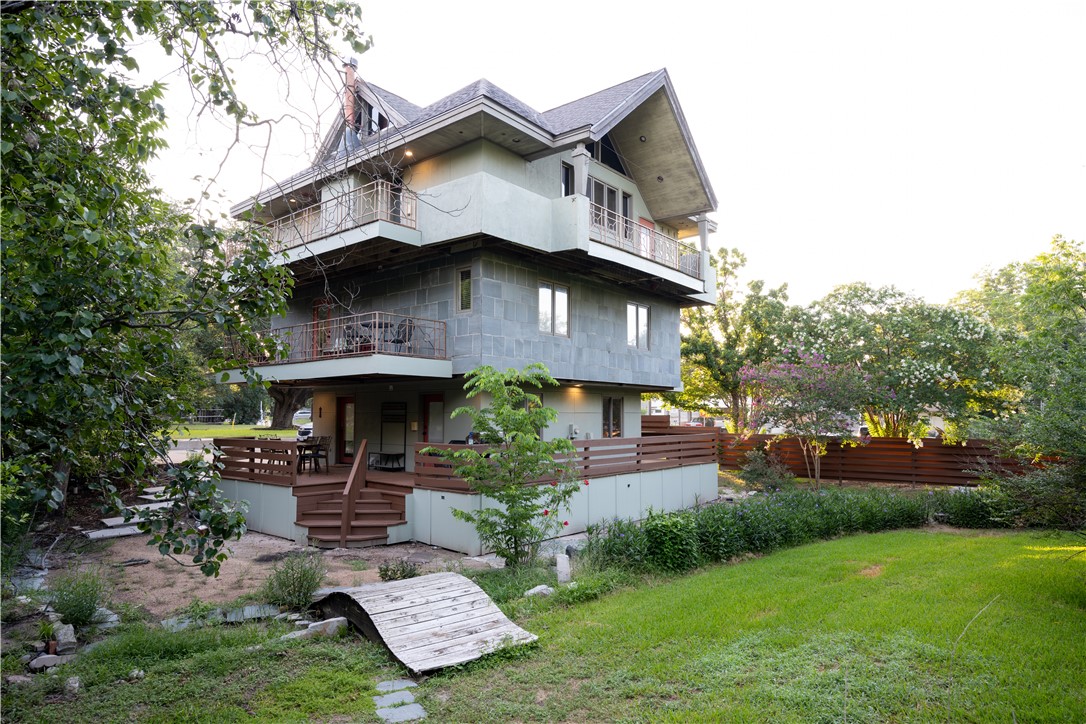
(637, 325)
(463, 290)
(567, 180)
(553, 309)
(612, 417)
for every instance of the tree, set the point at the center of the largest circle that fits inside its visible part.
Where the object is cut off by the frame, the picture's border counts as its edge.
(288, 400)
(531, 479)
(717, 342)
(102, 277)
(1039, 307)
(919, 357)
(809, 399)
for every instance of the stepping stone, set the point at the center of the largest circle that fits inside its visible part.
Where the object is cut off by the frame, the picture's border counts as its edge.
(154, 489)
(395, 685)
(252, 612)
(112, 532)
(394, 699)
(394, 714)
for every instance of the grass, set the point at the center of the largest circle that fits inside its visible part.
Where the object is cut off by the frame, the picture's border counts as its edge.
(865, 628)
(194, 431)
(209, 675)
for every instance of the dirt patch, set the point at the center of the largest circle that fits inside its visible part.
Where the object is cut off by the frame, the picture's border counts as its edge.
(162, 586)
(872, 571)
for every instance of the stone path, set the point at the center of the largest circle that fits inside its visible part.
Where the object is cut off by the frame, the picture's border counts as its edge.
(396, 703)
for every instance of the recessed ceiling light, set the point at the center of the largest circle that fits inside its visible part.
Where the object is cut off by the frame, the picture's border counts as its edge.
(409, 153)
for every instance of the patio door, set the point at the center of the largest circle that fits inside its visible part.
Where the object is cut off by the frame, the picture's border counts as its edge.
(345, 442)
(433, 418)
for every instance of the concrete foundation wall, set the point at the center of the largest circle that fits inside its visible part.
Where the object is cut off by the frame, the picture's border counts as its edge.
(272, 508)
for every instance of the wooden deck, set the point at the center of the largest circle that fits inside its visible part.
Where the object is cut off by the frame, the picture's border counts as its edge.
(429, 622)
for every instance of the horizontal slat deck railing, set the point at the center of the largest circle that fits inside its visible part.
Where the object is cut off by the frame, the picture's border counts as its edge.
(593, 458)
(883, 459)
(272, 462)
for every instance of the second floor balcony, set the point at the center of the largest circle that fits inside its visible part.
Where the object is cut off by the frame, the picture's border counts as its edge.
(356, 335)
(335, 214)
(611, 228)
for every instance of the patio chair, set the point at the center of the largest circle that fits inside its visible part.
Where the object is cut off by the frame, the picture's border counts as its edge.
(324, 442)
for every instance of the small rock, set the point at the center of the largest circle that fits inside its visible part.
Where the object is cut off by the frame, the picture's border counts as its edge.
(541, 590)
(71, 686)
(38, 646)
(302, 623)
(27, 658)
(330, 627)
(66, 641)
(294, 616)
(48, 661)
(17, 679)
(561, 562)
(136, 674)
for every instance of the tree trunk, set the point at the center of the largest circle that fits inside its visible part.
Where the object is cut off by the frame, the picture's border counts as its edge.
(288, 400)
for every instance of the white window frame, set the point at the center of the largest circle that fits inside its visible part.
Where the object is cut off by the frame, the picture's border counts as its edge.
(637, 325)
(551, 289)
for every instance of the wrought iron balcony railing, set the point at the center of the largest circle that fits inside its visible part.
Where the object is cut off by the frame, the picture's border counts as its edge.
(378, 201)
(613, 229)
(357, 335)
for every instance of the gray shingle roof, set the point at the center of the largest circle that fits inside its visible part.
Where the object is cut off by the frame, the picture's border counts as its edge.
(591, 109)
(405, 108)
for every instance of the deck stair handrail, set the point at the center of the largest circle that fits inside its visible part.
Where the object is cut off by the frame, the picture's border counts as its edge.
(611, 228)
(377, 201)
(353, 335)
(356, 481)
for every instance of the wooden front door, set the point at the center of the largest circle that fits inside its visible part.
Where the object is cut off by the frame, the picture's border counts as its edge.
(345, 442)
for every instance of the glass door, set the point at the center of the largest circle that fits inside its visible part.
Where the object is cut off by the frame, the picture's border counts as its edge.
(345, 442)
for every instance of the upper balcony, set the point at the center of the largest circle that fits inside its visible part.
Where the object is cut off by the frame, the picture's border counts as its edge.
(357, 345)
(338, 213)
(612, 229)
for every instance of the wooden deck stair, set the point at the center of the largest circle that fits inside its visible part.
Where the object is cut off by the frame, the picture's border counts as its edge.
(320, 511)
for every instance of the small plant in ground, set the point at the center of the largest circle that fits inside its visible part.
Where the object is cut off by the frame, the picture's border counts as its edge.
(763, 469)
(46, 630)
(617, 543)
(672, 541)
(397, 570)
(77, 594)
(294, 580)
(511, 460)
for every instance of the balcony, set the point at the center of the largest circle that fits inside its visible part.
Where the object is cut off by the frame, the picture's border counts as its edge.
(378, 201)
(357, 335)
(610, 228)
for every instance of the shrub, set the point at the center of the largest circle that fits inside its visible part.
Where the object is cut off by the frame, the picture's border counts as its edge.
(294, 580)
(397, 570)
(672, 540)
(1053, 496)
(982, 507)
(76, 595)
(762, 469)
(617, 543)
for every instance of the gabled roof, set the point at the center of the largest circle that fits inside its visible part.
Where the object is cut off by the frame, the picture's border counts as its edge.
(642, 115)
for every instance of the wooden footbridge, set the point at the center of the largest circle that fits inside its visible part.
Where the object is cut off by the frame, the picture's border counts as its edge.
(429, 622)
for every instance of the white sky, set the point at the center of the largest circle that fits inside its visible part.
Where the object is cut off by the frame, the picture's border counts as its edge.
(897, 143)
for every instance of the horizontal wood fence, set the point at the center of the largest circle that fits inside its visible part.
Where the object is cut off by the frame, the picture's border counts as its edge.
(592, 459)
(273, 462)
(882, 460)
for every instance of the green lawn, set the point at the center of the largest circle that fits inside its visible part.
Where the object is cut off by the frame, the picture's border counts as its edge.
(866, 628)
(898, 627)
(188, 432)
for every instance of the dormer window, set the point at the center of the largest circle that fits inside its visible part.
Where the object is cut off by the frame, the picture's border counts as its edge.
(367, 119)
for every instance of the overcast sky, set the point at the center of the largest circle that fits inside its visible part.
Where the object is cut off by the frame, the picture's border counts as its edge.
(898, 143)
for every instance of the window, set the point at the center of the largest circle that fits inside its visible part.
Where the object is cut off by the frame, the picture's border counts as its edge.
(567, 180)
(553, 309)
(463, 290)
(637, 325)
(606, 153)
(612, 417)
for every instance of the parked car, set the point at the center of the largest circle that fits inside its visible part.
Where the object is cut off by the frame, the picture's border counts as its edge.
(305, 431)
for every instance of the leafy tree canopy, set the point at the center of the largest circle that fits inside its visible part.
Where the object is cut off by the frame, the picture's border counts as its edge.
(101, 276)
(744, 328)
(919, 358)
